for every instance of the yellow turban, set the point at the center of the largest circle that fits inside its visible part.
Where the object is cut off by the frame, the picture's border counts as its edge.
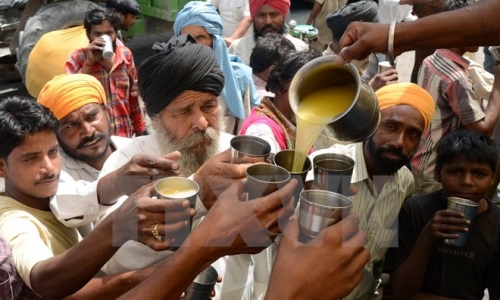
(67, 93)
(409, 94)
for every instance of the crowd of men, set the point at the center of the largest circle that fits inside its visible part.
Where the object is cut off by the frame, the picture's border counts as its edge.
(80, 218)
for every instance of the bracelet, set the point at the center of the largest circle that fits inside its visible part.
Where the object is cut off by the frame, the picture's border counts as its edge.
(390, 44)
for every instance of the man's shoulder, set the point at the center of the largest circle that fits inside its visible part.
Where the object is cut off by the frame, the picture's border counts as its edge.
(77, 55)
(432, 200)
(241, 42)
(299, 44)
(12, 209)
(120, 141)
(126, 54)
(142, 144)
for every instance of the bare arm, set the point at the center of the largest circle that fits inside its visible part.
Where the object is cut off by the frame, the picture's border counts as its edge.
(473, 25)
(112, 286)
(314, 12)
(140, 170)
(488, 124)
(70, 271)
(337, 254)
(244, 230)
(240, 30)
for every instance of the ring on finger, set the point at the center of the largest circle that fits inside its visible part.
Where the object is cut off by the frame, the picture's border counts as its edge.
(156, 233)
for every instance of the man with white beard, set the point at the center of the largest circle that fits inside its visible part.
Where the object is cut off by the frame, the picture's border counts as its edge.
(180, 85)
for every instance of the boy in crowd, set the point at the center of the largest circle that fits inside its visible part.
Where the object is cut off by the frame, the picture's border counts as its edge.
(127, 11)
(424, 266)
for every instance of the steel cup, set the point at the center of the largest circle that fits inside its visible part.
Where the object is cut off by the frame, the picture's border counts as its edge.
(263, 179)
(320, 209)
(202, 286)
(468, 208)
(332, 172)
(177, 188)
(249, 149)
(284, 159)
(173, 188)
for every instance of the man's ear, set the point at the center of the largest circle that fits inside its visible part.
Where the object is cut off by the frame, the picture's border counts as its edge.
(3, 168)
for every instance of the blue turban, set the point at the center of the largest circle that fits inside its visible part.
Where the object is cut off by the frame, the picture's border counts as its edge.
(203, 14)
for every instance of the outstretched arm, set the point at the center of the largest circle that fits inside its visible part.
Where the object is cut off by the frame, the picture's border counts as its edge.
(314, 12)
(70, 271)
(473, 25)
(231, 227)
(337, 254)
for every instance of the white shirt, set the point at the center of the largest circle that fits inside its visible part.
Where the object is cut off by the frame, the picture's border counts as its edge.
(243, 47)
(391, 10)
(76, 203)
(482, 80)
(231, 13)
(236, 271)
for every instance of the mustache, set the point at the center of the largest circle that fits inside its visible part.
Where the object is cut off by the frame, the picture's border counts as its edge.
(199, 139)
(393, 150)
(49, 177)
(90, 139)
(269, 26)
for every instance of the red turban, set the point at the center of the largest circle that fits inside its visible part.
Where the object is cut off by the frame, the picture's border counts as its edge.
(282, 6)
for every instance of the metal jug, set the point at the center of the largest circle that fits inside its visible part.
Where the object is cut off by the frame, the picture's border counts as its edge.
(356, 123)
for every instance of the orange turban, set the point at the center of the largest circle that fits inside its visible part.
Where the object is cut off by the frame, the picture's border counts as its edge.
(409, 94)
(282, 6)
(66, 93)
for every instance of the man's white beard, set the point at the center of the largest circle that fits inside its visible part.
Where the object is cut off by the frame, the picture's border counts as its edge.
(195, 149)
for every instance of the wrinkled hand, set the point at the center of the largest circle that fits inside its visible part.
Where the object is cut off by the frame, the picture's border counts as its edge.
(142, 169)
(93, 52)
(216, 175)
(328, 267)
(387, 77)
(362, 38)
(445, 224)
(139, 215)
(235, 226)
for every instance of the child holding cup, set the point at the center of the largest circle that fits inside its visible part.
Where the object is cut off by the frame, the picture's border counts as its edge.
(426, 261)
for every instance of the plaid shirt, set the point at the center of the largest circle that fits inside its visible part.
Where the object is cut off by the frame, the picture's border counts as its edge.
(11, 284)
(445, 76)
(125, 112)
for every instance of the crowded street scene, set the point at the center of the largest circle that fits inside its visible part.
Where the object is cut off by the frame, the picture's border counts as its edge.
(249, 149)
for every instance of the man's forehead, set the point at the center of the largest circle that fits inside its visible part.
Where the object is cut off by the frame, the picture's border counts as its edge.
(83, 109)
(404, 113)
(104, 25)
(198, 29)
(36, 142)
(268, 9)
(191, 97)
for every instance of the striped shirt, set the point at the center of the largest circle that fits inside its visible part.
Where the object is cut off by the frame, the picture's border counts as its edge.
(125, 113)
(444, 75)
(378, 212)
